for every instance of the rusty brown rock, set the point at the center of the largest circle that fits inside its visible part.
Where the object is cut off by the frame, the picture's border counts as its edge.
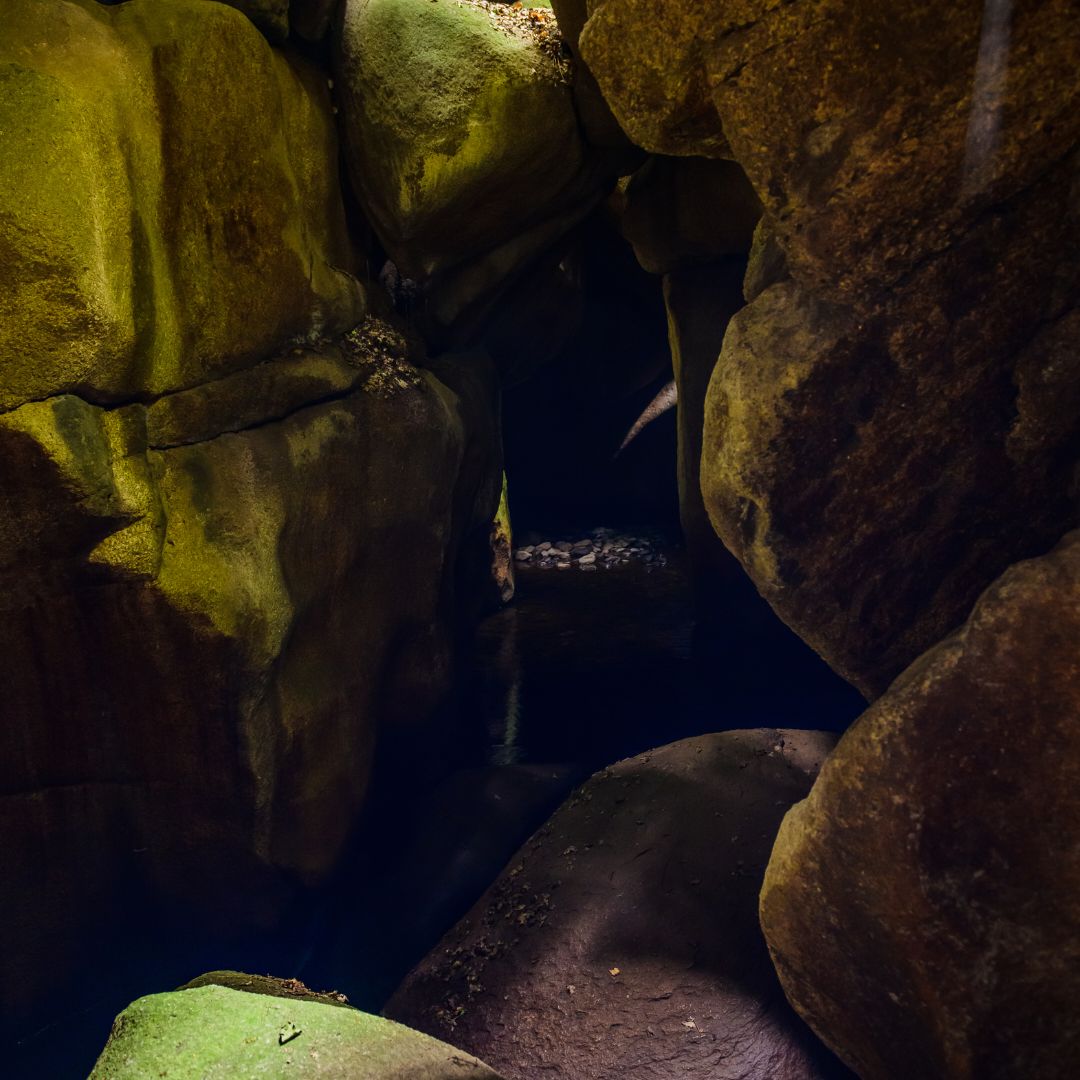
(623, 940)
(874, 471)
(921, 905)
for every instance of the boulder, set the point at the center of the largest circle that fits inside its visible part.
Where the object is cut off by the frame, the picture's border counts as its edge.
(892, 421)
(700, 302)
(214, 1032)
(922, 905)
(460, 133)
(649, 58)
(682, 211)
(169, 201)
(270, 16)
(622, 940)
(208, 610)
(873, 472)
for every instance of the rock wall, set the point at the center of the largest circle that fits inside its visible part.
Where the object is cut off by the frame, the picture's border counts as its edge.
(921, 904)
(231, 534)
(881, 438)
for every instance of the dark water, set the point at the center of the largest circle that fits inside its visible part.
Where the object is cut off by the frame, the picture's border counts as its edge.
(582, 670)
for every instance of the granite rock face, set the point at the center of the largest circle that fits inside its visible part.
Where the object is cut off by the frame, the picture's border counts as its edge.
(231, 534)
(921, 904)
(215, 1033)
(622, 940)
(880, 440)
(155, 235)
(202, 636)
(462, 142)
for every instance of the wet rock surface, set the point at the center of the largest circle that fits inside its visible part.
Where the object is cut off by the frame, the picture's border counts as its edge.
(622, 940)
(921, 904)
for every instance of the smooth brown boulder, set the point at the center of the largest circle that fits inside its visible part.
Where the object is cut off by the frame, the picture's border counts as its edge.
(923, 904)
(874, 472)
(622, 940)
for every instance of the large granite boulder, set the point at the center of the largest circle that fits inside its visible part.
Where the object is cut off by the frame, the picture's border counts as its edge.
(208, 609)
(169, 202)
(215, 1033)
(461, 138)
(922, 904)
(230, 535)
(622, 940)
(895, 424)
(873, 471)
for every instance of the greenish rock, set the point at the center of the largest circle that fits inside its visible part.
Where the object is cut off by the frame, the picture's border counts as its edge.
(169, 201)
(214, 1032)
(460, 136)
(270, 16)
(922, 905)
(203, 633)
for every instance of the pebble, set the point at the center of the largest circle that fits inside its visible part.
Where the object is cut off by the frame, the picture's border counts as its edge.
(604, 550)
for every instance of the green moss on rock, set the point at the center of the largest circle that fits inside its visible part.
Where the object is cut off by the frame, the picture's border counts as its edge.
(459, 135)
(214, 1033)
(169, 208)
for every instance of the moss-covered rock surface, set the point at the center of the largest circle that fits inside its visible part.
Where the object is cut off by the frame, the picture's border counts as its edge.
(169, 202)
(460, 133)
(214, 1033)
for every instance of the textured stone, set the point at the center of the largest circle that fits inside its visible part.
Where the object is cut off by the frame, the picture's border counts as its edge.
(681, 211)
(214, 1033)
(922, 904)
(874, 472)
(201, 640)
(169, 202)
(622, 940)
(460, 136)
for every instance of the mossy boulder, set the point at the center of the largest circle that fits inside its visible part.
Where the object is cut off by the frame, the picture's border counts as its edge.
(680, 212)
(214, 1032)
(922, 905)
(460, 135)
(270, 16)
(208, 610)
(169, 202)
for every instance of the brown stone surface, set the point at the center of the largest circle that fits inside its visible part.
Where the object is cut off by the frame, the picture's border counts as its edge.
(921, 905)
(681, 211)
(700, 301)
(874, 471)
(623, 940)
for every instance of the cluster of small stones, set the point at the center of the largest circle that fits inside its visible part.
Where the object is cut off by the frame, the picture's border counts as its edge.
(377, 349)
(603, 550)
(535, 24)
